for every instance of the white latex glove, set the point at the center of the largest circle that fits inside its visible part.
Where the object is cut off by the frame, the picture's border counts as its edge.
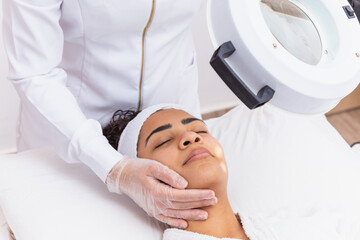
(143, 181)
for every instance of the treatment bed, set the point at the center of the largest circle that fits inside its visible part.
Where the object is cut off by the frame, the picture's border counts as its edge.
(290, 173)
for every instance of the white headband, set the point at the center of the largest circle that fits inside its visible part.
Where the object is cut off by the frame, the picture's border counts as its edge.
(129, 137)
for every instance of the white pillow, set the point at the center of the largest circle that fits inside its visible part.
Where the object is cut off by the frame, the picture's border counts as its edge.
(45, 198)
(293, 172)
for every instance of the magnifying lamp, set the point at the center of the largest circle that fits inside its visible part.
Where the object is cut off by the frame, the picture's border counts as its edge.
(300, 55)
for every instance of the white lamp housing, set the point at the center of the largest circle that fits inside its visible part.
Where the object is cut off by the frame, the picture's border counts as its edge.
(307, 52)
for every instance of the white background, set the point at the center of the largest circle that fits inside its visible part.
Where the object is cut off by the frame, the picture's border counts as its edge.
(8, 103)
(214, 95)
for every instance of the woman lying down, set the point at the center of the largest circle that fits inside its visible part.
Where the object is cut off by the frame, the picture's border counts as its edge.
(175, 138)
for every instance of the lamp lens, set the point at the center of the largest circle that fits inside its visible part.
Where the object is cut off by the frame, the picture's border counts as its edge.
(293, 29)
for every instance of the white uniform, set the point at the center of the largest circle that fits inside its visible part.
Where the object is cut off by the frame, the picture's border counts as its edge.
(75, 62)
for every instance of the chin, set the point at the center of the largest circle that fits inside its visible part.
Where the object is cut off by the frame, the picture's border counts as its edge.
(206, 174)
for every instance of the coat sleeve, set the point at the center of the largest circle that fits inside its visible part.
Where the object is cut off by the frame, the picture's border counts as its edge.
(34, 42)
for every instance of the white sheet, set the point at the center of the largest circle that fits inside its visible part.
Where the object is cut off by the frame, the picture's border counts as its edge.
(4, 229)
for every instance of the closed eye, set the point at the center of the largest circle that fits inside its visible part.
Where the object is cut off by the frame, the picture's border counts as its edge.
(162, 143)
(201, 132)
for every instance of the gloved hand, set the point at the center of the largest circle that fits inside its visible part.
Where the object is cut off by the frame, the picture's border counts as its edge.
(143, 181)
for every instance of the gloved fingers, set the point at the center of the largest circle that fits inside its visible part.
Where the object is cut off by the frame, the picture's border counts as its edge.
(167, 175)
(190, 195)
(194, 204)
(178, 223)
(193, 214)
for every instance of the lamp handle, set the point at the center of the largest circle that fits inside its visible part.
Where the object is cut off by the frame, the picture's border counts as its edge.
(355, 4)
(234, 82)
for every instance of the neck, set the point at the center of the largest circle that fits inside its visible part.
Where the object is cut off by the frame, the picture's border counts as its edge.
(221, 222)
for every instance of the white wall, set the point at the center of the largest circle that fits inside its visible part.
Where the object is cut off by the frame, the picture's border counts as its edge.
(214, 94)
(8, 103)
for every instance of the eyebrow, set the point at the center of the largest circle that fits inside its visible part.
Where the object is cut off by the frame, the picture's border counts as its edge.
(168, 126)
(159, 129)
(189, 120)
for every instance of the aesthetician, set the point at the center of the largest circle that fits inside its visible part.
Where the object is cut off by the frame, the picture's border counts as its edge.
(75, 62)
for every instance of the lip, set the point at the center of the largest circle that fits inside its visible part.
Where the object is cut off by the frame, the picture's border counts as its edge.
(196, 154)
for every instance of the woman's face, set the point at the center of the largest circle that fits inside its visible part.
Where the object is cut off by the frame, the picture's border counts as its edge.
(182, 142)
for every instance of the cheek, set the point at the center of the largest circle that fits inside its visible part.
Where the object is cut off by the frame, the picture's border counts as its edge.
(167, 156)
(218, 153)
(217, 149)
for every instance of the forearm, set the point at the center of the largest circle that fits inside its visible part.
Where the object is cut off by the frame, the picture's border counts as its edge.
(50, 115)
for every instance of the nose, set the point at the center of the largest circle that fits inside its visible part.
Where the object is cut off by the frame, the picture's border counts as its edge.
(189, 138)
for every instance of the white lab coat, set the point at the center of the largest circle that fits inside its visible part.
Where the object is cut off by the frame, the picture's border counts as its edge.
(75, 62)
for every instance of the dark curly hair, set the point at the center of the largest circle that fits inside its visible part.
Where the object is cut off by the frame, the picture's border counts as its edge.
(118, 122)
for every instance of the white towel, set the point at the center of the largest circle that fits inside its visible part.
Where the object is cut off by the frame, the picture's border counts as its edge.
(177, 234)
(255, 228)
